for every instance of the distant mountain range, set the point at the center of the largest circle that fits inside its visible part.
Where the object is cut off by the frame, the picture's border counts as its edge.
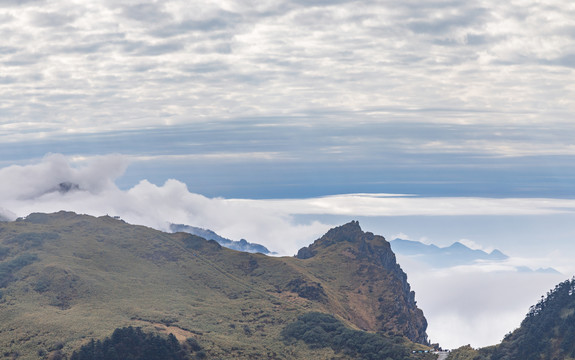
(456, 254)
(241, 245)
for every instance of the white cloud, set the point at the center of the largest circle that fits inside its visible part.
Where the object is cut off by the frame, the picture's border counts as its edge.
(499, 148)
(362, 205)
(42, 179)
(42, 187)
(400, 236)
(110, 66)
(213, 156)
(478, 303)
(472, 244)
(475, 305)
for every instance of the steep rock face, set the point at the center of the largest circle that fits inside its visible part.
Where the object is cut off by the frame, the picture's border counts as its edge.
(377, 296)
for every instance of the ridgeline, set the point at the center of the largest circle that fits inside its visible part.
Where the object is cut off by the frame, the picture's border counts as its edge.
(68, 281)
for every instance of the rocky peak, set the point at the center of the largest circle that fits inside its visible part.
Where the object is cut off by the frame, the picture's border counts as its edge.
(349, 232)
(346, 232)
(373, 259)
(365, 244)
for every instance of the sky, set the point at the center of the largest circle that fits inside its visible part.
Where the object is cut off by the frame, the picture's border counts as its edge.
(276, 120)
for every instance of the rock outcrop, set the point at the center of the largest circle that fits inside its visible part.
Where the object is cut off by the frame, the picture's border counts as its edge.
(381, 299)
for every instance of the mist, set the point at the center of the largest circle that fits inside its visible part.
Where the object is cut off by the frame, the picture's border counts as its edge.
(88, 187)
(475, 304)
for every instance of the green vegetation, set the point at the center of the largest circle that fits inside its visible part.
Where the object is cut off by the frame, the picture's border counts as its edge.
(4, 251)
(313, 291)
(30, 240)
(133, 344)
(372, 289)
(468, 353)
(323, 330)
(73, 278)
(9, 267)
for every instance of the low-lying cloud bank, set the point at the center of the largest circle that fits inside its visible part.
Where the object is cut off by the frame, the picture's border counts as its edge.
(479, 303)
(88, 186)
(56, 184)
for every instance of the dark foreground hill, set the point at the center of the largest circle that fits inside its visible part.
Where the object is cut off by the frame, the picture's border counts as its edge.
(547, 332)
(68, 281)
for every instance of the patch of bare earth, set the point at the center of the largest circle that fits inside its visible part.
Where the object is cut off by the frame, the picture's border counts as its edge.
(179, 333)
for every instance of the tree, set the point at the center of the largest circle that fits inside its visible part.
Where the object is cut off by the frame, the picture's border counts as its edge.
(132, 344)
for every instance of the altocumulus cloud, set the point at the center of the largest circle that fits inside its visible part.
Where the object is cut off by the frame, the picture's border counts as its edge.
(106, 66)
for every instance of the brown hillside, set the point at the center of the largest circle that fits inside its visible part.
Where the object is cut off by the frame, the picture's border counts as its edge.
(67, 279)
(367, 283)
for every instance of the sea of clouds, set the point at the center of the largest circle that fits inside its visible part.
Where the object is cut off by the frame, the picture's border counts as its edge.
(88, 186)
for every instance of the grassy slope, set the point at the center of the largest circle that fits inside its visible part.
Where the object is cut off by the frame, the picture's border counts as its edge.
(96, 274)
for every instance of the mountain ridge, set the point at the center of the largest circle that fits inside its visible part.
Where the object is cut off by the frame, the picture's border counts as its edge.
(68, 278)
(376, 251)
(456, 254)
(411, 247)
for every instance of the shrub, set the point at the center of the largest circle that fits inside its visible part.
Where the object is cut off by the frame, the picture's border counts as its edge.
(132, 344)
(320, 330)
(9, 267)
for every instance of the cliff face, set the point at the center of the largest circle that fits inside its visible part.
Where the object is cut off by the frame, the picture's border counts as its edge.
(377, 296)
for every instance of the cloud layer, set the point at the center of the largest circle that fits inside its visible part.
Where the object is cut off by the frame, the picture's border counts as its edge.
(475, 307)
(89, 186)
(70, 67)
(54, 184)
(313, 97)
